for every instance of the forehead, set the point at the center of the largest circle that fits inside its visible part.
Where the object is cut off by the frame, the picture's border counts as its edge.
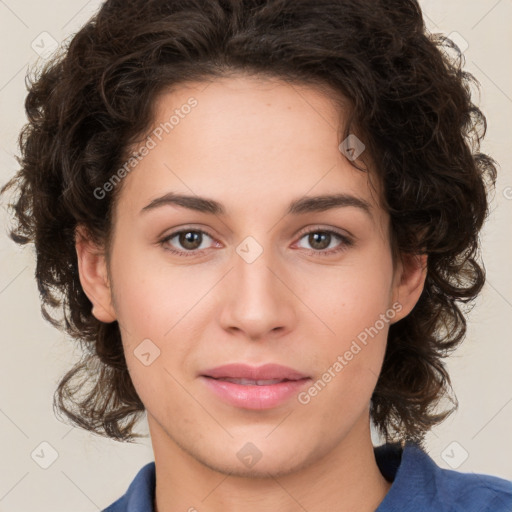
(245, 138)
(230, 111)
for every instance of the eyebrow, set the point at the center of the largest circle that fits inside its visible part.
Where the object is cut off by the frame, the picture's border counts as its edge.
(306, 204)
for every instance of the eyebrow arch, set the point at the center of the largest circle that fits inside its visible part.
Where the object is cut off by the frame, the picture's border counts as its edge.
(306, 204)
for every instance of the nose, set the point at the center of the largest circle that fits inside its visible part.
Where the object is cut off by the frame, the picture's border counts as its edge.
(259, 302)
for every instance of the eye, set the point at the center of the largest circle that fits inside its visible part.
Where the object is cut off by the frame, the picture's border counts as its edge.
(190, 239)
(321, 239)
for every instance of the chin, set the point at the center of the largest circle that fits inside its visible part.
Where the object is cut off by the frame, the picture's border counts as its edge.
(260, 470)
(258, 459)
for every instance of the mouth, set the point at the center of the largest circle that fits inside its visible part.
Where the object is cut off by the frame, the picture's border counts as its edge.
(245, 372)
(248, 387)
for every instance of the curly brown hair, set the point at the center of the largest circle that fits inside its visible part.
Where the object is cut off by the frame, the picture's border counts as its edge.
(408, 97)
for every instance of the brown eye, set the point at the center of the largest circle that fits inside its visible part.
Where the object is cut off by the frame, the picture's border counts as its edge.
(320, 240)
(188, 242)
(189, 239)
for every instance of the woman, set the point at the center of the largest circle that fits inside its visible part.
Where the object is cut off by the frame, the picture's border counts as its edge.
(263, 216)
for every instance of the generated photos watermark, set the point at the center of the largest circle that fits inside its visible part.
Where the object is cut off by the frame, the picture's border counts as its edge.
(304, 397)
(150, 143)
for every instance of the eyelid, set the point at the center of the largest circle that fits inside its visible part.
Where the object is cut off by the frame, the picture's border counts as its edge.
(326, 229)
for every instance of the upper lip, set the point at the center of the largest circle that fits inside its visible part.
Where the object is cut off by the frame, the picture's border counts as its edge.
(244, 371)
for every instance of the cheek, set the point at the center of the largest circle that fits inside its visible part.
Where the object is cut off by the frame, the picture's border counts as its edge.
(152, 296)
(356, 305)
(354, 296)
(158, 308)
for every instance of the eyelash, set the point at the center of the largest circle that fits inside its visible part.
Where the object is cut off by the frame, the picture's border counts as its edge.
(346, 242)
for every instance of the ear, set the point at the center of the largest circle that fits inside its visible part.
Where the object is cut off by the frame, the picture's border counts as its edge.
(409, 282)
(92, 268)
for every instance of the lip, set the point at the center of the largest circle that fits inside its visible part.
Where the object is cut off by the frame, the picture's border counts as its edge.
(245, 371)
(256, 397)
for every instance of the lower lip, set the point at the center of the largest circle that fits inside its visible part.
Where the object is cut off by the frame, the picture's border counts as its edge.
(252, 396)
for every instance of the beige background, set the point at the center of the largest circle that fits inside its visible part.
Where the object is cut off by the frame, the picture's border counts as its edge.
(92, 472)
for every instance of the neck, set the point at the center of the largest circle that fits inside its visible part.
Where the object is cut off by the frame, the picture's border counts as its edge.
(343, 480)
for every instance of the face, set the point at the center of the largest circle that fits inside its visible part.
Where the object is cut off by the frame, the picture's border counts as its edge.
(261, 276)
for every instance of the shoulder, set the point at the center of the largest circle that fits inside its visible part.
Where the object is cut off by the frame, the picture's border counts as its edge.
(140, 494)
(419, 484)
(455, 491)
(471, 491)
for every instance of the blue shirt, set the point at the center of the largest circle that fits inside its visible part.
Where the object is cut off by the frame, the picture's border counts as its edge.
(418, 485)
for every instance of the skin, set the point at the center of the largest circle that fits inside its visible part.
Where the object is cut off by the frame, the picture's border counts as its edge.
(253, 145)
